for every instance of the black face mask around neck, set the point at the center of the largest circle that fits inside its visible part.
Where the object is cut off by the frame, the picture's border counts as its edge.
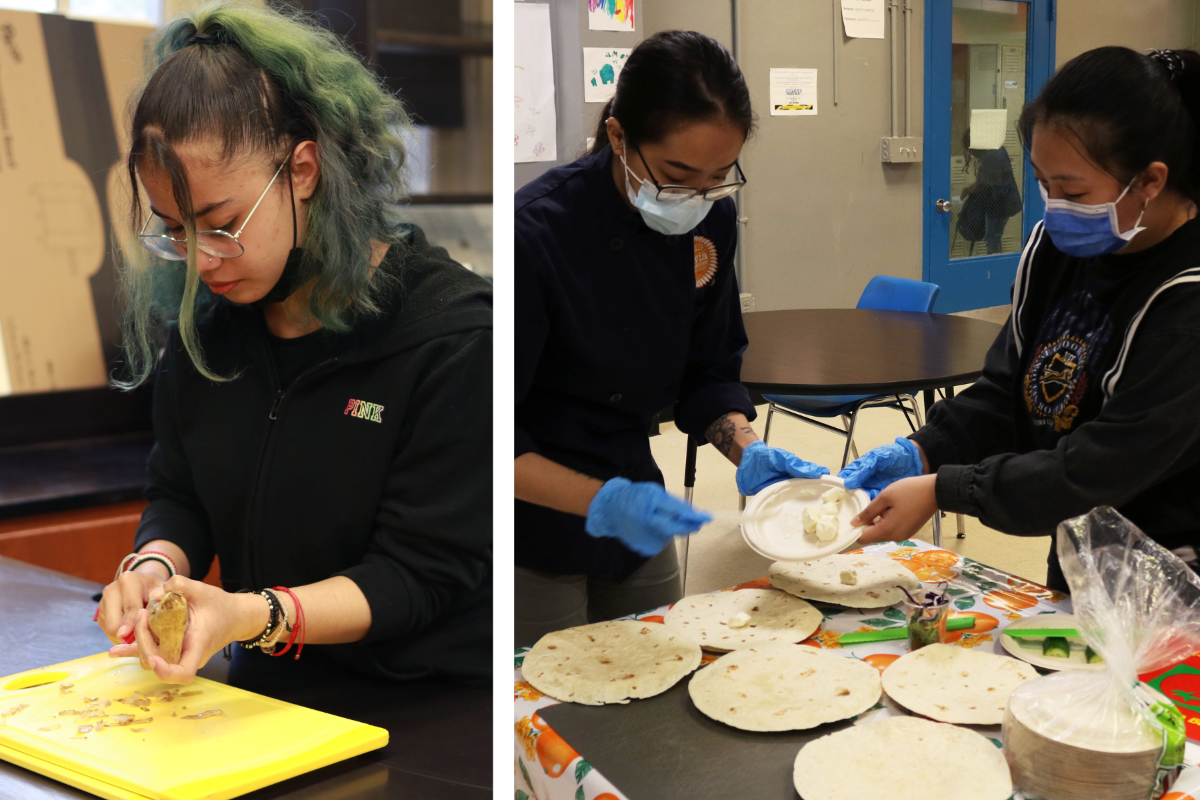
(288, 281)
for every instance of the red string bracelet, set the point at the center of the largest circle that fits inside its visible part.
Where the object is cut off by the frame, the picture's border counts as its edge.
(298, 632)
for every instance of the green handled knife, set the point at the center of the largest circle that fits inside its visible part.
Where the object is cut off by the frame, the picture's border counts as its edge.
(899, 632)
(1042, 633)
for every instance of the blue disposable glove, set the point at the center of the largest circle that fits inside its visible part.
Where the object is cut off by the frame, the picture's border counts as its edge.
(883, 466)
(642, 515)
(762, 465)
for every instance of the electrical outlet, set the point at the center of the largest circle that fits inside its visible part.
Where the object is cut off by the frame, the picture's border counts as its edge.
(747, 302)
(900, 149)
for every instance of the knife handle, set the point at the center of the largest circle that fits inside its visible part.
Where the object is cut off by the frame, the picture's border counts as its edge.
(899, 632)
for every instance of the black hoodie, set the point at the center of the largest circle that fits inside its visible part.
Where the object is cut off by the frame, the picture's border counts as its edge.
(1089, 397)
(374, 464)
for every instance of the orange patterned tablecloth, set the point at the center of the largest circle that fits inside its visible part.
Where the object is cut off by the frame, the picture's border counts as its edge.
(548, 768)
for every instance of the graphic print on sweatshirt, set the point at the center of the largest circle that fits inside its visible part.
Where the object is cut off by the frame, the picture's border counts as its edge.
(1062, 381)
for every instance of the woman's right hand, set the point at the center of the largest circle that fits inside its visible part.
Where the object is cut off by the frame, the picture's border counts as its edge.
(121, 602)
(643, 515)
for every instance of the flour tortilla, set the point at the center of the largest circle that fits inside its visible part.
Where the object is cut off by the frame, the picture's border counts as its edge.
(609, 662)
(951, 684)
(820, 579)
(902, 758)
(775, 616)
(784, 687)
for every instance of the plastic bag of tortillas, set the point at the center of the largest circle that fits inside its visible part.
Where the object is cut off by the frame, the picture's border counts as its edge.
(1103, 733)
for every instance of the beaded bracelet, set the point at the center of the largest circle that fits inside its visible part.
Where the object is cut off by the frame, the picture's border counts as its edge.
(275, 609)
(134, 560)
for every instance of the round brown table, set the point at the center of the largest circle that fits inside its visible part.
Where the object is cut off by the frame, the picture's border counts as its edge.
(849, 351)
(862, 351)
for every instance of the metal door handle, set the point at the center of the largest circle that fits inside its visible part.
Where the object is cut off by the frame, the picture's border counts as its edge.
(943, 206)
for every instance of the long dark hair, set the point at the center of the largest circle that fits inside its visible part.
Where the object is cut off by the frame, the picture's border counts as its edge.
(1128, 110)
(258, 81)
(676, 77)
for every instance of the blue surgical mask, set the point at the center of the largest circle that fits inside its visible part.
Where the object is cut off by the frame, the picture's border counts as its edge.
(669, 218)
(1084, 230)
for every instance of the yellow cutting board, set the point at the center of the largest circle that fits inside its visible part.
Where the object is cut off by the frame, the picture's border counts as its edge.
(253, 742)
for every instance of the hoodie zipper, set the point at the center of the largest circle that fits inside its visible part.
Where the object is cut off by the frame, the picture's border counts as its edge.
(255, 527)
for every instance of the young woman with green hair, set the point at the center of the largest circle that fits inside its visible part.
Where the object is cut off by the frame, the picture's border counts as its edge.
(322, 398)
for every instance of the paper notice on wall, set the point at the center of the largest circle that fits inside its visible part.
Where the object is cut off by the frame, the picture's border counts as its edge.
(535, 131)
(610, 15)
(793, 92)
(863, 19)
(989, 126)
(601, 66)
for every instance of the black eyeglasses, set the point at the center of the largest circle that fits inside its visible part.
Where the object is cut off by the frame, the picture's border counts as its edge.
(680, 193)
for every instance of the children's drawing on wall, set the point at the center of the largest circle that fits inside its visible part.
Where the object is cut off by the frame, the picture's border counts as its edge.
(601, 66)
(534, 133)
(610, 15)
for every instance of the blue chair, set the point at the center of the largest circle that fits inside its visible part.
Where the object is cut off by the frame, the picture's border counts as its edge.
(889, 294)
(885, 293)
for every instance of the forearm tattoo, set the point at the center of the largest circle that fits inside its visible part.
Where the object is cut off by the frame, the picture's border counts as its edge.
(722, 432)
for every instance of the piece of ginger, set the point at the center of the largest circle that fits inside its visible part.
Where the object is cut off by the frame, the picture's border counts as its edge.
(168, 622)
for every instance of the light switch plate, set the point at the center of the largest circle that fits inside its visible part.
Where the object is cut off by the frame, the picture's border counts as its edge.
(900, 149)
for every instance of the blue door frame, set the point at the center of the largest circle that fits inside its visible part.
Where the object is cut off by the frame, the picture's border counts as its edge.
(978, 281)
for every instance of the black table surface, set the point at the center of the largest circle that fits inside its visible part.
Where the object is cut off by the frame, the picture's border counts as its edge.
(440, 739)
(41, 479)
(838, 351)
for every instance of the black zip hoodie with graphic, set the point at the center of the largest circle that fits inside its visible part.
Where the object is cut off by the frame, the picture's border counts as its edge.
(292, 485)
(1090, 396)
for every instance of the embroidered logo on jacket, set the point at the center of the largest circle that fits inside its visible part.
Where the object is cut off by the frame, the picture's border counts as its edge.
(364, 410)
(1061, 367)
(706, 260)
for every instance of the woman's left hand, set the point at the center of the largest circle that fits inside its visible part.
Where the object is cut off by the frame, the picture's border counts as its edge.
(762, 466)
(215, 618)
(899, 511)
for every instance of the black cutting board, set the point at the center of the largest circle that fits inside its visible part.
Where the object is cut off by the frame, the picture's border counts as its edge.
(662, 748)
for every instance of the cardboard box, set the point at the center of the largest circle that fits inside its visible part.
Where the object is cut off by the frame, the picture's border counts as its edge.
(63, 91)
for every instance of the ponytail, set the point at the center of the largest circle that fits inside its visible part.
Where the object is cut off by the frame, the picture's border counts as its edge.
(1128, 110)
(671, 79)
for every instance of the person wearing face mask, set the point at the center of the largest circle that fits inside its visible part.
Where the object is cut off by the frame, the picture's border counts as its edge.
(627, 304)
(322, 398)
(1089, 396)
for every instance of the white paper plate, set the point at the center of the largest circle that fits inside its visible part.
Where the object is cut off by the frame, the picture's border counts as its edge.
(780, 533)
(1031, 650)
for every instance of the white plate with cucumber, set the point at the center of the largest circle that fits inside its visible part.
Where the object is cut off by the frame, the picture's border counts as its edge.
(1055, 652)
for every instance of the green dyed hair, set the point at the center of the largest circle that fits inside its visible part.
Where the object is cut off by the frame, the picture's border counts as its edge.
(258, 81)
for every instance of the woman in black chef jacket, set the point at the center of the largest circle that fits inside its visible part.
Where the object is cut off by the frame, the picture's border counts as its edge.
(626, 304)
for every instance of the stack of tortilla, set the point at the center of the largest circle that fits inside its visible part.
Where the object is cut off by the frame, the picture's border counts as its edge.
(770, 616)
(784, 687)
(876, 580)
(609, 662)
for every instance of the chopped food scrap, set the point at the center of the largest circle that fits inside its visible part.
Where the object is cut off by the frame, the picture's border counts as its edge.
(53, 727)
(14, 710)
(1093, 657)
(65, 688)
(69, 712)
(849, 577)
(216, 712)
(85, 728)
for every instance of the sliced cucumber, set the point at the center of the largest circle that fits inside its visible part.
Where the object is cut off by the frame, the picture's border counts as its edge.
(1056, 647)
(1093, 657)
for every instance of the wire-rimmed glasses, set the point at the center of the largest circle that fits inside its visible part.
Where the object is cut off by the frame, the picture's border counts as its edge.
(675, 194)
(221, 244)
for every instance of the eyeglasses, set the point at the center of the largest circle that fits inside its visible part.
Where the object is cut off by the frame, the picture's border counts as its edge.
(221, 244)
(681, 193)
